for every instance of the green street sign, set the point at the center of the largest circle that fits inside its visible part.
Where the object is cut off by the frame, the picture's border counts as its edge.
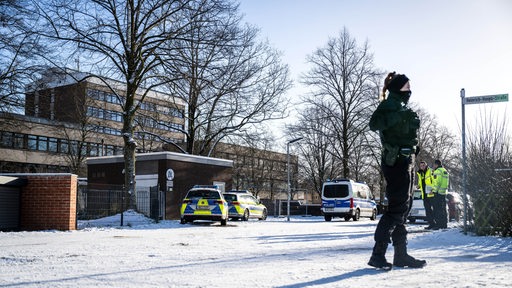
(486, 99)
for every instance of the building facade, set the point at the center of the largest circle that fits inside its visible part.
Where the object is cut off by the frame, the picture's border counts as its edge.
(69, 117)
(74, 116)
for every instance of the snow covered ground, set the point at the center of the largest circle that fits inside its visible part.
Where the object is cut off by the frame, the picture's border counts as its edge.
(305, 252)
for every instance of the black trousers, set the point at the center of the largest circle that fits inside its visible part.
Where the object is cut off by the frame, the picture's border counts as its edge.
(399, 180)
(428, 204)
(439, 209)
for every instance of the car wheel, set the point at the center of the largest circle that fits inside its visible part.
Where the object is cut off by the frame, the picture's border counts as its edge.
(347, 218)
(246, 215)
(223, 222)
(183, 221)
(357, 215)
(374, 215)
(328, 218)
(264, 215)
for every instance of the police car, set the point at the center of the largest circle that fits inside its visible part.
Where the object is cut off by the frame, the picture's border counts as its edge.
(243, 205)
(204, 202)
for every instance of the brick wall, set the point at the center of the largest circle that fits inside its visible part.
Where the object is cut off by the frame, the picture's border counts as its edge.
(48, 202)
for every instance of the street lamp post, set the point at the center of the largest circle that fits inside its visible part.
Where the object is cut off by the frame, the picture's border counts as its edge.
(288, 172)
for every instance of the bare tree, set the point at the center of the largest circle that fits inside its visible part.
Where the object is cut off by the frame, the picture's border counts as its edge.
(318, 164)
(436, 141)
(119, 40)
(489, 174)
(229, 80)
(17, 47)
(344, 84)
(446, 147)
(79, 133)
(258, 169)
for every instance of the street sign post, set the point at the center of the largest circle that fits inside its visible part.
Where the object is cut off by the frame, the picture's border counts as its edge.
(465, 101)
(486, 99)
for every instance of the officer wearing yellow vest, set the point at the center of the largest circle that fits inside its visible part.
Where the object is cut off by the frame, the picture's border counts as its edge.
(440, 181)
(425, 185)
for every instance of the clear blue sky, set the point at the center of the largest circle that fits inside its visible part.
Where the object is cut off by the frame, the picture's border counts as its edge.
(441, 45)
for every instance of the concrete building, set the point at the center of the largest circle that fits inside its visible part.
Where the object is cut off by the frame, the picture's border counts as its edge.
(74, 116)
(69, 117)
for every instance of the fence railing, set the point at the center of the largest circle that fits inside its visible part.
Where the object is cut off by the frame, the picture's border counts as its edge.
(102, 201)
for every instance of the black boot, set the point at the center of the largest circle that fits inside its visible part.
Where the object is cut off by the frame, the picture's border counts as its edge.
(378, 259)
(402, 259)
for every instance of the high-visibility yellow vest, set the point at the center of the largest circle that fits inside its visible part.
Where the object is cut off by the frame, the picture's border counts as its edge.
(440, 181)
(427, 176)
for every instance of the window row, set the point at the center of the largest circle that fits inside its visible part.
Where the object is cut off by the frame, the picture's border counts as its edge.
(148, 106)
(146, 122)
(105, 130)
(104, 114)
(16, 167)
(149, 137)
(105, 96)
(56, 145)
(170, 111)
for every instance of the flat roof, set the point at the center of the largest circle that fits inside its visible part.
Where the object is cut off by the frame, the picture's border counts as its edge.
(162, 156)
(12, 181)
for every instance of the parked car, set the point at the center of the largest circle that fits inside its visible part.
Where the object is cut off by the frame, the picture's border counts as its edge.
(204, 202)
(348, 199)
(418, 209)
(242, 205)
(240, 191)
(456, 206)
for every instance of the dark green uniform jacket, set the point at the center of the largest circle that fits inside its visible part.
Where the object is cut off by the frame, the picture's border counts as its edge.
(398, 128)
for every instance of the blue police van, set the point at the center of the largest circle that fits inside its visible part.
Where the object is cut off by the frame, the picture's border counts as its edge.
(347, 199)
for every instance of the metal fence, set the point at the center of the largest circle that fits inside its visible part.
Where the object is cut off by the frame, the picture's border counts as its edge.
(492, 213)
(296, 208)
(101, 201)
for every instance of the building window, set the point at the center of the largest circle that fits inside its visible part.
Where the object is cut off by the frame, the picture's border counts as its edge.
(7, 139)
(93, 149)
(63, 146)
(19, 141)
(52, 145)
(93, 94)
(42, 143)
(109, 150)
(32, 142)
(52, 104)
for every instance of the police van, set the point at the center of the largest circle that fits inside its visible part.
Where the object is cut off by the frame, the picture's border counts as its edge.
(347, 199)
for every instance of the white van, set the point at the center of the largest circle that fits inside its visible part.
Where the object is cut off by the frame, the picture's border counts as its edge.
(348, 199)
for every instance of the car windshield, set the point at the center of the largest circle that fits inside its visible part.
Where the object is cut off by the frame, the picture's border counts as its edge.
(208, 194)
(230, 197)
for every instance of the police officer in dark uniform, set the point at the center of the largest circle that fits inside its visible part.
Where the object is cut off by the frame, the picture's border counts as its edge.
(398, 126)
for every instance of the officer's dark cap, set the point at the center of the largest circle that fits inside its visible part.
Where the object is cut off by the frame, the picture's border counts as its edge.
(397, 83)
